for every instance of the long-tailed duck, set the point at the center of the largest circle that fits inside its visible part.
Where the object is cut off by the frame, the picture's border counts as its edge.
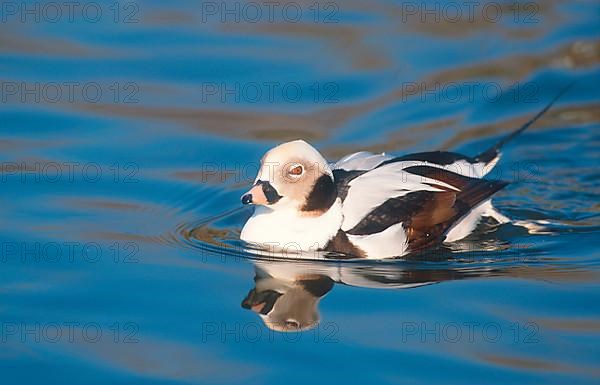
(371, 205)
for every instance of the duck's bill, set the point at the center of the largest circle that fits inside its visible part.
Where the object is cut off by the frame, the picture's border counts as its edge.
(262, 193)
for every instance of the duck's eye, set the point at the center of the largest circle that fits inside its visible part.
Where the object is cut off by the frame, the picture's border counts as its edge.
(296, 170)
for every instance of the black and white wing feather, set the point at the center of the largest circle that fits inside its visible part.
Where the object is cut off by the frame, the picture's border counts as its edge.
(397, 207)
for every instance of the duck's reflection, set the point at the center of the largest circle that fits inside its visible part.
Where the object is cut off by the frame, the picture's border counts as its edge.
(287, 304)
(286, 294)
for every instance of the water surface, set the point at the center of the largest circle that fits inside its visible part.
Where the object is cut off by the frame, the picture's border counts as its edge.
(124, 137)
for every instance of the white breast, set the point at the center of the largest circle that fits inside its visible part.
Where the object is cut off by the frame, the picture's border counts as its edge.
(289, 230)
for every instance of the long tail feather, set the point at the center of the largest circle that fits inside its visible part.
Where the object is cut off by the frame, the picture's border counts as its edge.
(492, 153)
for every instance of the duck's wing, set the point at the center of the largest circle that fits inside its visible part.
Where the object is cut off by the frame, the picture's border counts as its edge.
(461, 164)
(362, 160)
(354, 165)
(452, 161)
(398, 207)
(359, 163)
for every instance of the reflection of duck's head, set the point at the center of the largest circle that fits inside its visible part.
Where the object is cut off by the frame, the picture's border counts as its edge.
(288, 305)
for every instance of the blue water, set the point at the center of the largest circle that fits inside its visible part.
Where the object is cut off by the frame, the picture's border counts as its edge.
(125, 134)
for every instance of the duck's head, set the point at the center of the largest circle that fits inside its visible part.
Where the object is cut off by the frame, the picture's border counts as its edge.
(293, 175)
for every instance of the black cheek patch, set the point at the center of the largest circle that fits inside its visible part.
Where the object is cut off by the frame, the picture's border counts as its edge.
(319, 286)
(270, 193)
(267, 297)
(322, 196)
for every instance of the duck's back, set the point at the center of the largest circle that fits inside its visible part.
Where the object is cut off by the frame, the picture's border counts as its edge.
(393, 206)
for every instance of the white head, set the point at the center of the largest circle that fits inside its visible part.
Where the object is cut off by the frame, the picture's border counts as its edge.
(293, 175)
